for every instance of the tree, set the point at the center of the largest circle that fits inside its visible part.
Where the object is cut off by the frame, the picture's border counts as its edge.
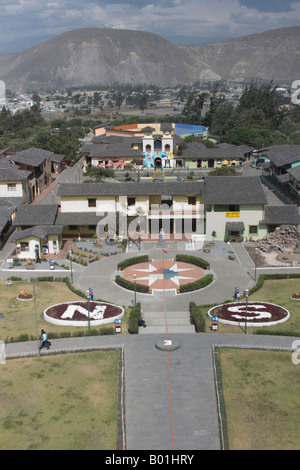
(98, 173)
(224, 171)
(36, 98)
(193, 108)
(119, 100)
(213, 234)
(254, 136)
(265, 98)
(222, 118)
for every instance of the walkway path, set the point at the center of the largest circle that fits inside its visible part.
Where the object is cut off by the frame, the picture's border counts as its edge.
(163, 387)
(148, 387)
(243, 257)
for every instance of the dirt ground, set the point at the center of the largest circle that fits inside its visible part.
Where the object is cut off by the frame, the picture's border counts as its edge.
(274, 257)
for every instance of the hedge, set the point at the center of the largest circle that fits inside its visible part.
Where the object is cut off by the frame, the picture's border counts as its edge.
(130, 261)
(131, 285)
(199, 284)
(193, 260)
(133, 323)
(197, 317)
(265, 277)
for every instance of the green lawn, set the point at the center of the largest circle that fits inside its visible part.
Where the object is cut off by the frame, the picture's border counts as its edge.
(261, 393)
(19, 316)
(276, 292)
(61, 402)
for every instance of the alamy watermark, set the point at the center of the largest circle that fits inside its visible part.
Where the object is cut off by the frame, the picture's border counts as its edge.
(296, 353)
(296, 92)
(2, 94)
(2, 352)
(180, 222)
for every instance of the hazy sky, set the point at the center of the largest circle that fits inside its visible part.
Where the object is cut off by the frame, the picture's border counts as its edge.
(28, 22)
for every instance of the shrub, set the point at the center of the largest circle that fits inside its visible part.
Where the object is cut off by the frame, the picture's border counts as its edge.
(133, 323)
(130, 261)
(193, 260)
(197, 317)
(199, 284)
(266, 331)
(131, 285)
(107, 331)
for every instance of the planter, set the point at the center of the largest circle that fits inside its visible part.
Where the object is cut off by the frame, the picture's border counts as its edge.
(77, 313)
(25, 298)
(295, 296)
(257, 313)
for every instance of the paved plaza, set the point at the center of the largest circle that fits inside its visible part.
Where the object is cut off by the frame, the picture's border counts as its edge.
(164, 387)
(170, 399)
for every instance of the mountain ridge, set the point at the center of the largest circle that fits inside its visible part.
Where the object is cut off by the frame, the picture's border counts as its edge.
(101, 56)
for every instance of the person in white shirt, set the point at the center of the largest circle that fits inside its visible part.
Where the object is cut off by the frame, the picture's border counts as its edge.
(45, 342)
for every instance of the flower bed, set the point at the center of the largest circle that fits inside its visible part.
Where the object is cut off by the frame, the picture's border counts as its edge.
(80, 313)
(257, 314)
(295, 296)
(25, 297)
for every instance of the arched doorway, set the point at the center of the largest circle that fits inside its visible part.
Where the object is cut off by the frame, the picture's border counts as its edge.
(158, 162)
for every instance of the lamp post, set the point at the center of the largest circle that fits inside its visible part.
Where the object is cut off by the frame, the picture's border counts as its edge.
(256, 251)
(88, 296)
(246, 294)
(134, 280)
(71, 266)
(138, 228)
(35, 312)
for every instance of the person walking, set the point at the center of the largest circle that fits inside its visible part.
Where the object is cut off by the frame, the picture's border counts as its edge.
(44, 339)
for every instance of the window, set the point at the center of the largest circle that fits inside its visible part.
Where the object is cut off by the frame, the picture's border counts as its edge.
(226, 208)
(24, 246)
(192, 200)
(253, 229)
(92, 202)
(131, 201)
(11, 187)
(73, 227)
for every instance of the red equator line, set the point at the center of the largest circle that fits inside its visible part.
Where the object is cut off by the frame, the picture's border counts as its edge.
(168, 355)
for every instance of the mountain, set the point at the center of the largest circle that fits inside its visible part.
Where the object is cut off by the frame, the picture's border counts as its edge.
(105, 56)
(271, 55)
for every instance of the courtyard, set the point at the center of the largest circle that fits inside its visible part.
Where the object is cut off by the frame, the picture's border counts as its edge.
(192, 410)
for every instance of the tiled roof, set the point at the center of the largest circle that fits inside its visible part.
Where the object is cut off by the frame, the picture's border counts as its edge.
(38, 231)
(78, 218)
(281, 155)
(130, 189)
(233, 190)
(33, 215)
(32, 156)
(282, 215)
(198, 150)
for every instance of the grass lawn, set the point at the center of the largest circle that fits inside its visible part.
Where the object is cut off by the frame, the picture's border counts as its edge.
(61, 402)
(19, 316)
(276, 292)
(261, 393)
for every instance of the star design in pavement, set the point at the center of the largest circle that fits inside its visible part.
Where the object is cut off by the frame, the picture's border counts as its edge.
(167, 275)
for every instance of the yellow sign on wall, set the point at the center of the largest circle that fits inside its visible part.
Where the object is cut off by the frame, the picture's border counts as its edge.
(230, 215)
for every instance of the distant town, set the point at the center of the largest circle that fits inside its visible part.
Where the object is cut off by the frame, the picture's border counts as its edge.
(84, 101)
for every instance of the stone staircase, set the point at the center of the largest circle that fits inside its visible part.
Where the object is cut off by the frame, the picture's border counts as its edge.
(177, 322)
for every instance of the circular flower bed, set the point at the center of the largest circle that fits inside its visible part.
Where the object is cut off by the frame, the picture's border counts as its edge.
(24, 296)
(257, 313)
(82, 312)
(295, 296)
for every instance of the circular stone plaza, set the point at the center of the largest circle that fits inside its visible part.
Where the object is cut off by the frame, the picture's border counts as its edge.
(163, 274)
